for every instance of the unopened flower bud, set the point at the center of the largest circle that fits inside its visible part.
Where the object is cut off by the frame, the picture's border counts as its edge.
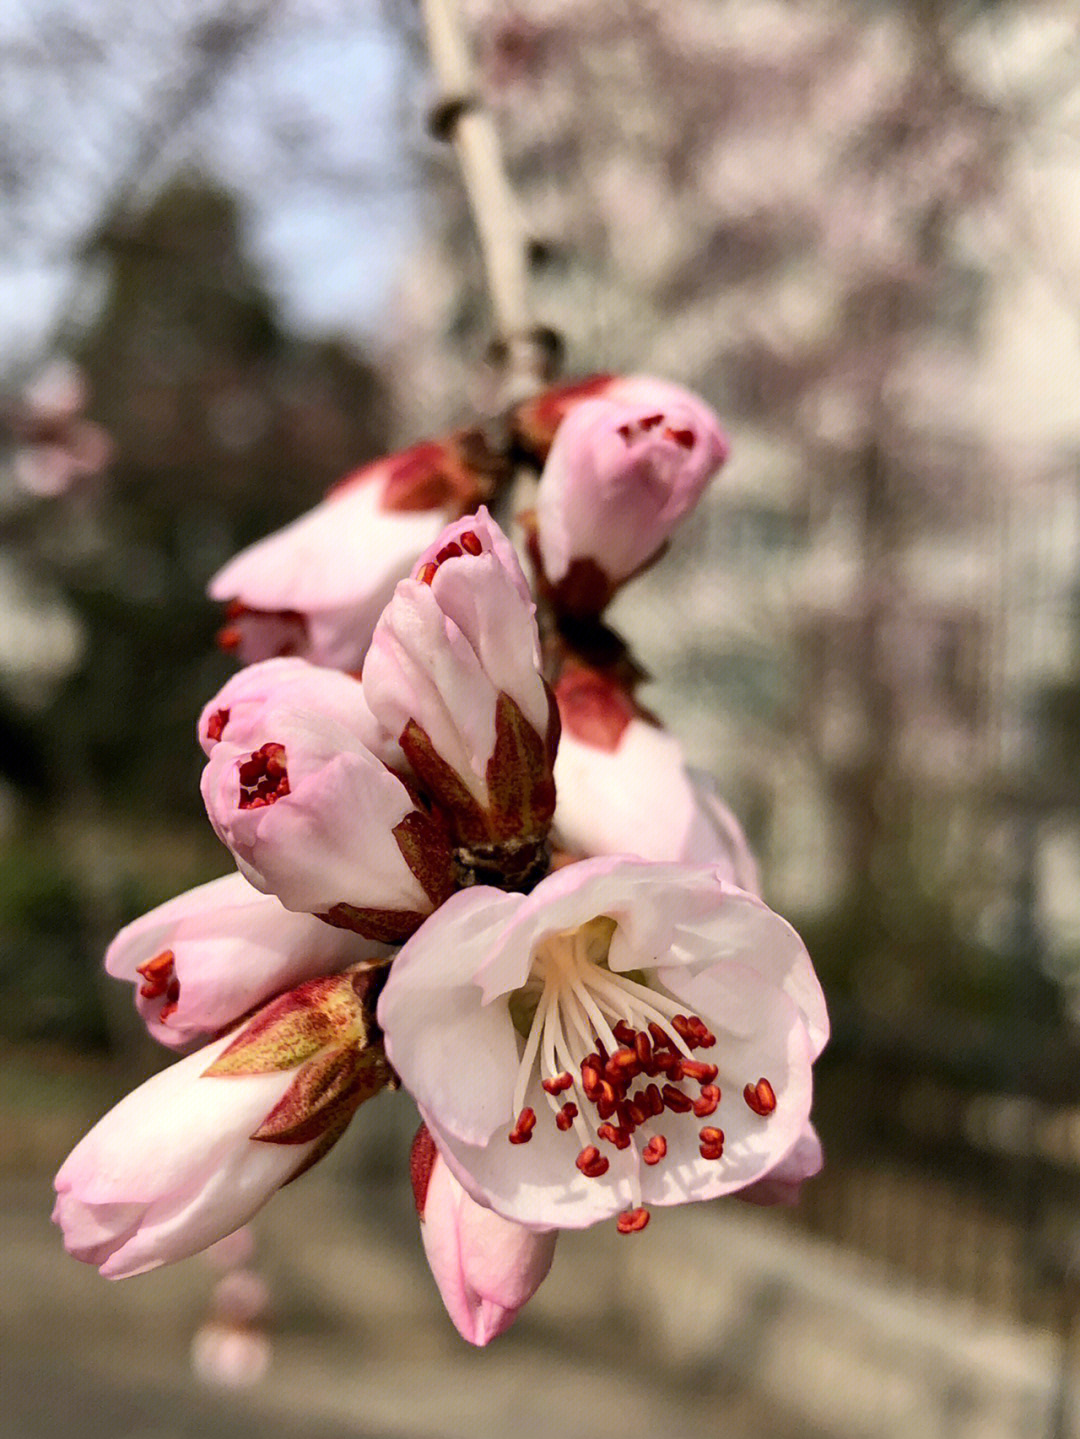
(204, 959)
(624, 787)
(487, 1268)
(454, 674)
(308, 811)
(623, 470)
(317, 587)
(193, 1153)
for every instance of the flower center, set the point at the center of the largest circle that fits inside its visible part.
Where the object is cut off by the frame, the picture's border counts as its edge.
(623, 1048)
(263, 777)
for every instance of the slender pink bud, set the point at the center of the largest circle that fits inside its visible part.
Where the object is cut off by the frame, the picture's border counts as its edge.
(193, 1153)
(487, 1268)
(454, 675)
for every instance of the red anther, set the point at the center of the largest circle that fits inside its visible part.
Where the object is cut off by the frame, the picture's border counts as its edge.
(167, 1010)
(699, 1070)
(610, 1134)
(427, 573)
(157, 973)
(654, 1099)
(590, 1080)
(625, 431)
(606, 1101)
(622, 1067)
(234, 609)
(711, 1151)
(523, 1128)
(655, 1150)
(676, 1100)
(702, 1030)
(650, 422)
(624, 1034)
(643, 1049)
(228, 639)
(685, 1030)
(760, 1097)
(591, 1162)
(685, 438)
(636, 1111)
(661, 1038)
(448, 552)
(565, 1117)
(263, 777)
(215, 725)
(706, 1105)
(632, 1220)
(711, 1136)
(470, 543)
(558, 1084)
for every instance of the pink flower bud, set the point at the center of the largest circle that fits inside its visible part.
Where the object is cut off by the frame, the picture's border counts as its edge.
(487, 1268)
(310, 814)
(205, 958)
(193, 1153)
(623, 470)
(454, 675)
(623, 786)
(317, 587)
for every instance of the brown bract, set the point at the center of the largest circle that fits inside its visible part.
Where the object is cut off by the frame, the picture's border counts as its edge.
(325, 1030)
(535, 421)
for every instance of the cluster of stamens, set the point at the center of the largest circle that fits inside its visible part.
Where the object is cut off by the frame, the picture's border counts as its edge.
(467, 543)
(159, 979)
(636, 429)
(230, 637)
(615, 1056)
(263, 777)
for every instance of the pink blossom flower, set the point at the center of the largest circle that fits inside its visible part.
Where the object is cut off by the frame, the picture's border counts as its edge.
(56, 445)
(783, 1183)
(628, 1034)
(623, 470)
(317, 587)
(310, 814)
(623, 787)
(454, 674)
(193, 1153)
(205, 958)
(487, 1268)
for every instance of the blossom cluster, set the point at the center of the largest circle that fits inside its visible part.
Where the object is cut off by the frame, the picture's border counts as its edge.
(468, 863)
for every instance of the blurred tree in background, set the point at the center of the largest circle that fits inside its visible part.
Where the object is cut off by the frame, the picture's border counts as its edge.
(224, 426)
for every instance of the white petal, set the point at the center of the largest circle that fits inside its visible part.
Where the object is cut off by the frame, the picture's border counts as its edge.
(455, 1053)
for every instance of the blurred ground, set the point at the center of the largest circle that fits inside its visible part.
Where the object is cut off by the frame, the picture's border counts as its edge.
(718, 1320)
(361, 1344)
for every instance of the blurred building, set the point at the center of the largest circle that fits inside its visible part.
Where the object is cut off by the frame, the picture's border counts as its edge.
(853, 228)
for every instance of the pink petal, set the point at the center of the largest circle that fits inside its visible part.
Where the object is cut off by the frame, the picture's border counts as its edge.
(453, 1051)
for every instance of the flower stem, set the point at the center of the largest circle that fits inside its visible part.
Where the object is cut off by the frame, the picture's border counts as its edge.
(526, 353)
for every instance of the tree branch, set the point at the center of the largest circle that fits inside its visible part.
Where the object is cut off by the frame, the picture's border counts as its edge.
(527, 353)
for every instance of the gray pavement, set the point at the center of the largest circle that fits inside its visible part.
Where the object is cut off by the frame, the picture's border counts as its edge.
(362, 1347)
